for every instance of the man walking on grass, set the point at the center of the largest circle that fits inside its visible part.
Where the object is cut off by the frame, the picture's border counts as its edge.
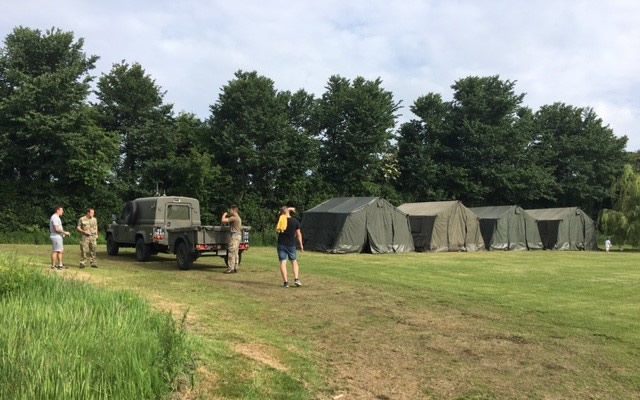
(88, 227)
(288, 229)
(57, 233)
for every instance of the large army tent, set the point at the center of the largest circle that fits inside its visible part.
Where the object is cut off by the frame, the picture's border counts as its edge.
(565, 228)
(443, 226)
(508, 228)
(355, 225)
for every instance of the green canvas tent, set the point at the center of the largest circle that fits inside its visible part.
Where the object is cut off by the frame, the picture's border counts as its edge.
(565, 228)
(356, 224)
(443, 226)
(508, 228)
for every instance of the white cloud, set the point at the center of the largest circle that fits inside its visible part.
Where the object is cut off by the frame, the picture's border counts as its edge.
(583, 53)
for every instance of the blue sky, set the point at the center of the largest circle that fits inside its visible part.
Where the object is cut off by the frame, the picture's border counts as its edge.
(584, 53)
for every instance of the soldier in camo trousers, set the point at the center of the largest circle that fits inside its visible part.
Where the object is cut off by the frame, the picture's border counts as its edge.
(88, 227)
(235, 222)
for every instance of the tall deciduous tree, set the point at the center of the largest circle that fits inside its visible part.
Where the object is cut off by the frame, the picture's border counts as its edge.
(424, 152)
(187, 169)
(623, 221)
(131, 104)
(476, 148)
(583, 154)
(491, 131)
(259, 136)
(355, 122)
(52, 148)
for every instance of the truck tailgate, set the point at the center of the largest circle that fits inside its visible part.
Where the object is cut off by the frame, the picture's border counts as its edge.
(213, 235)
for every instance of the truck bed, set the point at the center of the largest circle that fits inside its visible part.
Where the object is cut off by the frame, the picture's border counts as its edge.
(205, 234)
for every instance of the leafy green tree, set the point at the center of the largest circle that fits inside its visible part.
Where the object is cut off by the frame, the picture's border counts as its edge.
(622, 223)
(634, 159)
(491, 131)
(131, 104)
(583, 154)
(53, 150)
(260, 138)
(187, 169)
(425, 171)
(475, 148)
(354, 122)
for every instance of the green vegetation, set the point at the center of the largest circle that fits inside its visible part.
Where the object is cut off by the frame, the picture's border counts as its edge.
(65, 339)
(623, 222)
(443, 326)
(262, 147)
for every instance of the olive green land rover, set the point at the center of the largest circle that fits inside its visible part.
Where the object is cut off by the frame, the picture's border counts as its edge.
(169, 224)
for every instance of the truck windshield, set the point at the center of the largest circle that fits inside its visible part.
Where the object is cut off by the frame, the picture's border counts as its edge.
(178, 212)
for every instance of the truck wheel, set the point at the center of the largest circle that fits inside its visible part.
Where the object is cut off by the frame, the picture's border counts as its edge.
(143, 250)
(112, 246)
(184, 256)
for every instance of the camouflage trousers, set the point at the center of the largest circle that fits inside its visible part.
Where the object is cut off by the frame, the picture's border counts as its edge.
(234, 247)
(88, 250)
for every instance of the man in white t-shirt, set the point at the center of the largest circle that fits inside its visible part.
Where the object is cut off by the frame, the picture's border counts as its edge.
(607, 244)
(57, 233)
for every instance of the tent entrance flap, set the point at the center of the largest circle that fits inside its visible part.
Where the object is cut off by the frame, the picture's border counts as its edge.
(487, 229)
(549, 233)
(422, 230)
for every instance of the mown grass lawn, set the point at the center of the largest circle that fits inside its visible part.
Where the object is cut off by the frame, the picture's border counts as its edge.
(486, 325)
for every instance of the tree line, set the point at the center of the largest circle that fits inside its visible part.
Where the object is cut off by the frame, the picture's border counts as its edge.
(68, 137)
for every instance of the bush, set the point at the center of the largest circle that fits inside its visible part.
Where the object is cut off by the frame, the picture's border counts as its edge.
(64, 339)
(14, 274)
(263, 238)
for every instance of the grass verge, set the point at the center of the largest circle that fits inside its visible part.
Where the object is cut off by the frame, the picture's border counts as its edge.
(64, 339)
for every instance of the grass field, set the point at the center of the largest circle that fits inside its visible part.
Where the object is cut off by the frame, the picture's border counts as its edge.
(65, 339)
(538, 325)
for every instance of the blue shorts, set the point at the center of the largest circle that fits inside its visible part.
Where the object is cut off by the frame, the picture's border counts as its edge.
(285, 252)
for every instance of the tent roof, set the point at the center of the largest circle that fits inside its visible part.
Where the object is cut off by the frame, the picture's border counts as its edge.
(430, 208)
(549, 214)
(342, 205)
(492, 212)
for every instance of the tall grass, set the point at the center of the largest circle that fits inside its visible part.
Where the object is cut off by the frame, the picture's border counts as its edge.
(63, 339)
(40, 237)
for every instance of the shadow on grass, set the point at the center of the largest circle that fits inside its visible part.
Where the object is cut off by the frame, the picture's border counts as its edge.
(162, 262)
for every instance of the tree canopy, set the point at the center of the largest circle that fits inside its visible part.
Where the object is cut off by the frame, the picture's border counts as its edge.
(262, 148)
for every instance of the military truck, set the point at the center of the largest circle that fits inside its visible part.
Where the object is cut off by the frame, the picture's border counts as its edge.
(169, 224)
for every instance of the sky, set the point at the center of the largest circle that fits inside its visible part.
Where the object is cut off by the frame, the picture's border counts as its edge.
(583, 53)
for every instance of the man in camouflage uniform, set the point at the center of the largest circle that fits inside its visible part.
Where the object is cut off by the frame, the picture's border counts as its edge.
(88, 227)
(235, 222)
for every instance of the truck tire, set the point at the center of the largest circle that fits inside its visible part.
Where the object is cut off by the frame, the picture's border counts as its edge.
(184, 257)
(112, 246)
(143, 250)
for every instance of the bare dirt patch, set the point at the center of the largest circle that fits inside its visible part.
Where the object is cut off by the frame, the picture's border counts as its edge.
(261, 353)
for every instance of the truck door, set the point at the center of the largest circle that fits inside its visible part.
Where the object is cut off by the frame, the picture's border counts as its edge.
(178, 215)
(125, 231)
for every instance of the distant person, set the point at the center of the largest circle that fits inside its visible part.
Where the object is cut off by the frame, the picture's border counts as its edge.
(607, 245)
(288, 229)
(57, 233)
(88, 227)
(235, 222)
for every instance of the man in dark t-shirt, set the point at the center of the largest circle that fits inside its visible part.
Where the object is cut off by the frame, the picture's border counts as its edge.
(287, 246)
